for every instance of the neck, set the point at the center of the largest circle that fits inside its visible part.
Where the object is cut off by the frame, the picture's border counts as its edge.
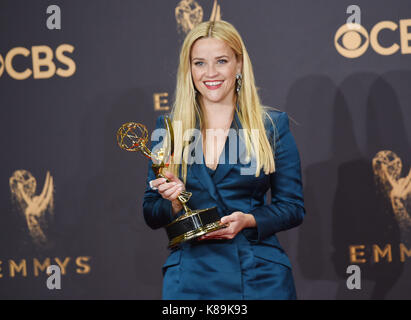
(217, 115)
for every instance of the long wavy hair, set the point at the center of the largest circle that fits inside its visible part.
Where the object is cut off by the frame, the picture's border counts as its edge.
(186, 112)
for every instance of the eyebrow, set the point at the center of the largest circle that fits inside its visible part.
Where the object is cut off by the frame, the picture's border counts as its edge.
(219, 57)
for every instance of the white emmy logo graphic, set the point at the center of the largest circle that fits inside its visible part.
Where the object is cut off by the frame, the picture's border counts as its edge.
(34, 208)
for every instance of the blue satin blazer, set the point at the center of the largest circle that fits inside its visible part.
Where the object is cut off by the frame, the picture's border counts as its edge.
(253, 265)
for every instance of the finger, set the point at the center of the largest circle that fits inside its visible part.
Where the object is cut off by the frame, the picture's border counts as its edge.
(218, 233)
(226, 219)
(167, 193)
(157, 182)
(215, 236)
(152, 187)
(230, 229)
(175, 195)
(165, 186)
(219, 237)
(172, 177)
(227, 233)
(205, 237)
(230, 218)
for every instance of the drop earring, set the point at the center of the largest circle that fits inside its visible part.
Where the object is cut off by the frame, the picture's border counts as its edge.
(239, 80)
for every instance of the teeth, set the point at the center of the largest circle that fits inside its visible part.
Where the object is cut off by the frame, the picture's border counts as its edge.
(214, 83)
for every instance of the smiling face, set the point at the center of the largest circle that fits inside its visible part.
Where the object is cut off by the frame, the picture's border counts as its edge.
(214, 67)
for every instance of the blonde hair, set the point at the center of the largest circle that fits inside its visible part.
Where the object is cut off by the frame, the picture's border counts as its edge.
(186, 109)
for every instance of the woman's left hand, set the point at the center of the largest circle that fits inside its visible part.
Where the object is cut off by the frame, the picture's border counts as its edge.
(237, 221)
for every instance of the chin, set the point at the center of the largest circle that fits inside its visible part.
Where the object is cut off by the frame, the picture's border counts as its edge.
(214, 98)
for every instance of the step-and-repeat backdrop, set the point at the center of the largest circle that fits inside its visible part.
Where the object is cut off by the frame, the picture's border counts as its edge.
(71, 72)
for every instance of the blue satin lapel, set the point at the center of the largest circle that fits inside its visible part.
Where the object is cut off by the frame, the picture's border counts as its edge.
(200, 171)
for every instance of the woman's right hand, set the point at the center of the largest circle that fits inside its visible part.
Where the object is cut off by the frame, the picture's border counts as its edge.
(170, 190)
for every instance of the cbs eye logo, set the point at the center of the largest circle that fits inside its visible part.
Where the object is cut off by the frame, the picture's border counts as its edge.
(42, 64)
(352, 40)
(351, 35)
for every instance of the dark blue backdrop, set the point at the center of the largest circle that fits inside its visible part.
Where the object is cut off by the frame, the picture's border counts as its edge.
(125, 53)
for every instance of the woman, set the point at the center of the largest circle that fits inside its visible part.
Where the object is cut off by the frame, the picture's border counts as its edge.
(216, 93)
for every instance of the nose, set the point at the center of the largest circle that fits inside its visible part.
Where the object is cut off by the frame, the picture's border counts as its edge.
(211, 71)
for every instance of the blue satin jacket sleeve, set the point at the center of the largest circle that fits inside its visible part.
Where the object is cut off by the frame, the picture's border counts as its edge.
(157, 211)
(286, 209)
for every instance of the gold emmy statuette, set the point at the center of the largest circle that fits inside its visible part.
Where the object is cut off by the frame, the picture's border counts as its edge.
(192, 224)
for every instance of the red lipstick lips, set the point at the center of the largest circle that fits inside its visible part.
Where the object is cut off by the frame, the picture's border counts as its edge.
(213, 85)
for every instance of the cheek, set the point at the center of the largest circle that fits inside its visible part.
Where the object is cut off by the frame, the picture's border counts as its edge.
(230, 82)
(196, 75)
(230, 74)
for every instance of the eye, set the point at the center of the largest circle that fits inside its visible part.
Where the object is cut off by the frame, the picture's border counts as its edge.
(199, 63)
(222, 61)
(351, 40)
